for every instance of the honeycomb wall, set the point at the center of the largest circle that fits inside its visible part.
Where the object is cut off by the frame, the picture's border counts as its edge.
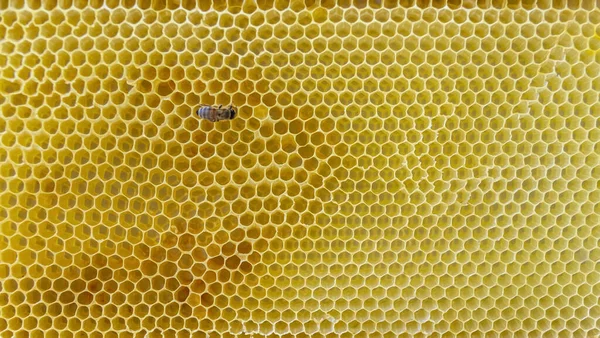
(413, 171)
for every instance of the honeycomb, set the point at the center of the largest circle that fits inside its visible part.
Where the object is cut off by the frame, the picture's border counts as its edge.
(395, 169)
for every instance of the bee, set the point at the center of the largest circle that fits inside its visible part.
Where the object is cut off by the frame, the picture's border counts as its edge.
(215, 114)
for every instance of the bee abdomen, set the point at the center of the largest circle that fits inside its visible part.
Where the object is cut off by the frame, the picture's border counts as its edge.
(205, 112)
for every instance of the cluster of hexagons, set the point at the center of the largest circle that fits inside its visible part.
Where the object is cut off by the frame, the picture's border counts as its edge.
(394, 171)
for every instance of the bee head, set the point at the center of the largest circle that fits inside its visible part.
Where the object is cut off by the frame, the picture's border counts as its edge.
(232, 113)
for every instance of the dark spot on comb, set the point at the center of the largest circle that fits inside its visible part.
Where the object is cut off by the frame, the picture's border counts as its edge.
(232, 262)
(206, 299)
(216, 262)
(85, 298)
(66, 297)
(182, 294)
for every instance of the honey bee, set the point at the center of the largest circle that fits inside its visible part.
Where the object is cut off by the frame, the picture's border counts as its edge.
(215, 114)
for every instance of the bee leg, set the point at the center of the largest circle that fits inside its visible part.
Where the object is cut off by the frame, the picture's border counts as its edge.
(220, 106)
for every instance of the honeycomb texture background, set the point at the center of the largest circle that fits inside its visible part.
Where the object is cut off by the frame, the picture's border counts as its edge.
(413, 170)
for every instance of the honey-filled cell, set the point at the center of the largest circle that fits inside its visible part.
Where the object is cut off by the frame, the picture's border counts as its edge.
(405, 168)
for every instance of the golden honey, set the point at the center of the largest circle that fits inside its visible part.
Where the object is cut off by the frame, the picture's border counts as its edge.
(395, 169)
